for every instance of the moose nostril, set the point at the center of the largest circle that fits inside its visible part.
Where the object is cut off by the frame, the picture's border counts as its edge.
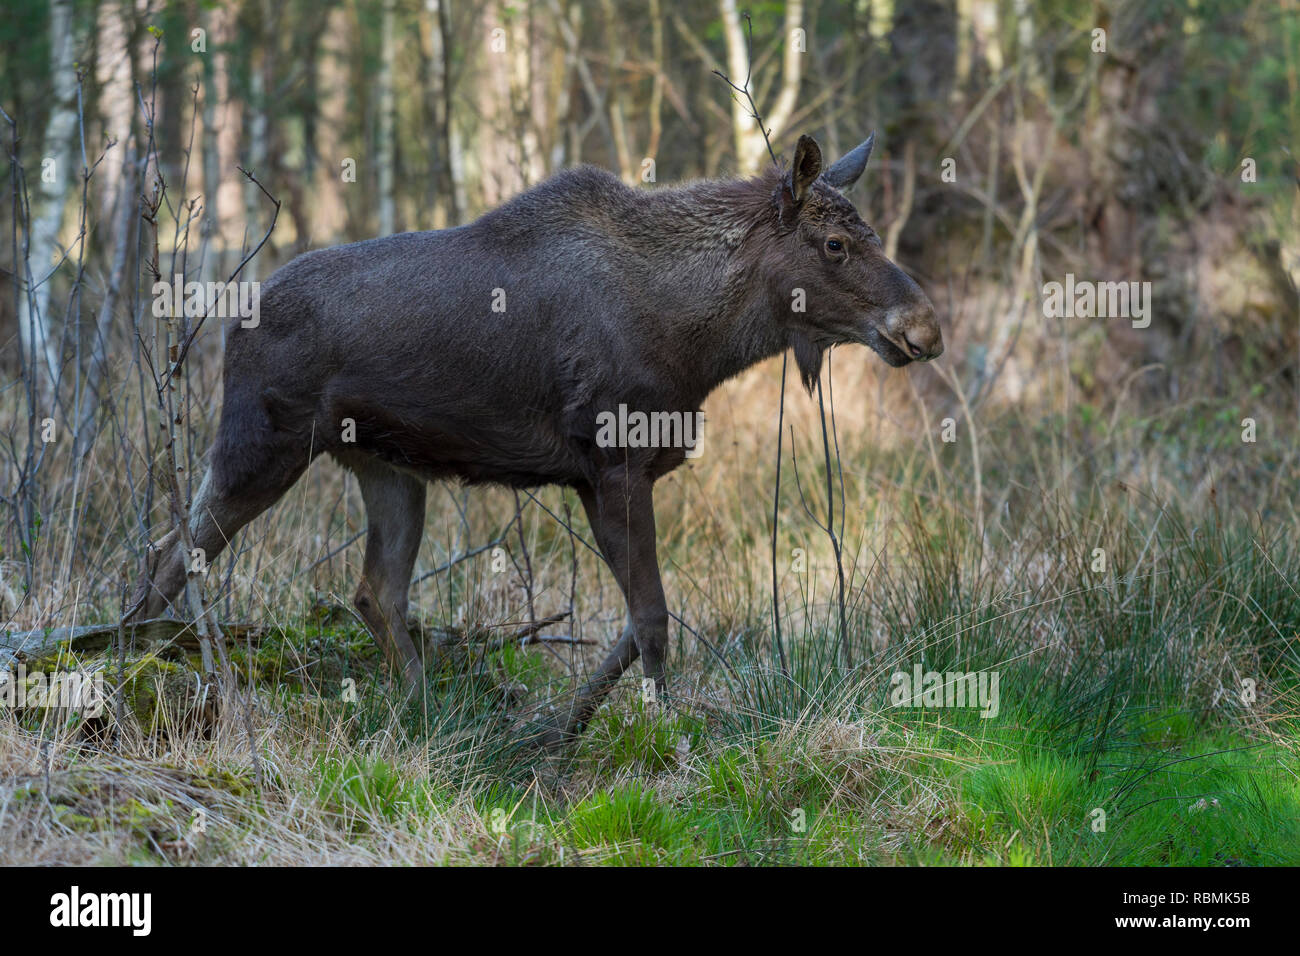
(912, 347)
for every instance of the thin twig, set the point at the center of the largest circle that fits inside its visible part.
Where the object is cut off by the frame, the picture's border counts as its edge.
(458, 559)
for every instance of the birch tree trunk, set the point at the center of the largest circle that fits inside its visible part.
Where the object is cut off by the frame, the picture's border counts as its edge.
(49, 184)
(751, 145)
(988, 30)
(116, 98)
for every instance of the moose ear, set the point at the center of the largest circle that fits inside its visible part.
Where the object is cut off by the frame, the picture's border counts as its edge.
(807, 167)
(850, 166)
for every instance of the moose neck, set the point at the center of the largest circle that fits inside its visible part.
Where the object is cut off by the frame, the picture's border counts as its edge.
(714, 241)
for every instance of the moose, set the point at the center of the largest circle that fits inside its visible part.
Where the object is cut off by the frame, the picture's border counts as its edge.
(485, 354)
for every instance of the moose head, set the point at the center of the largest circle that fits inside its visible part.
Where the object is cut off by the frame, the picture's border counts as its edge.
(851, 291)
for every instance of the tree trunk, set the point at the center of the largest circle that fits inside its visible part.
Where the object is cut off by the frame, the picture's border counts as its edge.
(121, 244)
(116, 97)
(439, 102)
(751, 144)
(209, 159)
(227, 202)
(455, 161)
(526, 103)
(257, 107)
(387, 152)
(329, 211)
(47, 199)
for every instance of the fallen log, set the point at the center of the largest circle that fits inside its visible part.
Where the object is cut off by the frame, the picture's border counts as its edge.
(18, 646)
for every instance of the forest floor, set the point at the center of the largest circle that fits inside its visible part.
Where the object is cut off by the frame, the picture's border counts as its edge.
(1136, 603)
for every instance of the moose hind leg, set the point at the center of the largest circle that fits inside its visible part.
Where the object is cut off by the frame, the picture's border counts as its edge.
(621, 513)
(395, 518)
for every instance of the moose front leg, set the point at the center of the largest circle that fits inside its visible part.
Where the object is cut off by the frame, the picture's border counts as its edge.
(621, 512)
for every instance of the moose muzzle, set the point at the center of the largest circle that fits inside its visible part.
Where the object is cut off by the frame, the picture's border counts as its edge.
(914, 329)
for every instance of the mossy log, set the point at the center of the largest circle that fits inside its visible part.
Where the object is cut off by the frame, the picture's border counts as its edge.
(17, 646)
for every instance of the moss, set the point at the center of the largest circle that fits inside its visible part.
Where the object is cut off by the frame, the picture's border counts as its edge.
(214, 778)
(163, 694)
(29, 792)
(314, 657)
(68, 817)
(148, 822)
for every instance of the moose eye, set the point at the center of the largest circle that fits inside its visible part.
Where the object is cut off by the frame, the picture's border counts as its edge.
(834, 245)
